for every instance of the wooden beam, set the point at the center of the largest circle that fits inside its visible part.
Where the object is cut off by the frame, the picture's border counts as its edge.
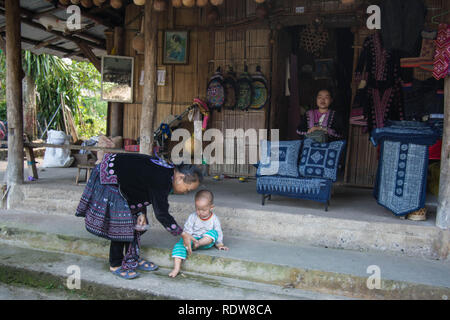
(74, 147)
(90, 55)
(443, 211)
(150, 78)
(61, 50)
(73, 38)
(89, 16)
(47, 42)
(14, 174)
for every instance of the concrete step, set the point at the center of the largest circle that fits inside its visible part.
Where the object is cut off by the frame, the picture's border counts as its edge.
(297, 266)
(420, 240)
(45, 269)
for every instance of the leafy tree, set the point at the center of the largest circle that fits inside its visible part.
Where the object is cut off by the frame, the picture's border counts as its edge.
(78, 83)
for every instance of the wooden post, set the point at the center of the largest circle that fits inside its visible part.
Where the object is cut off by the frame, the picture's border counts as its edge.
(14, 93)
(443, 211)
(150, 78)
(29, 107)
(117, 108)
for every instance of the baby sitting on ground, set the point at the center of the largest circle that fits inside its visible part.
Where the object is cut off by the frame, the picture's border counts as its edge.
(202, 230)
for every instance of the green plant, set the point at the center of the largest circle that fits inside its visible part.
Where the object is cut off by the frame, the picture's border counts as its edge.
(78, 83)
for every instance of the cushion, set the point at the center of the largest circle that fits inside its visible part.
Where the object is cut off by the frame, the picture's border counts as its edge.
(282, 162)
(321, 160)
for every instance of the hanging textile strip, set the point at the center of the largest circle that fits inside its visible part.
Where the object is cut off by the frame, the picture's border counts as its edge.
(380, 105)
(442, 57)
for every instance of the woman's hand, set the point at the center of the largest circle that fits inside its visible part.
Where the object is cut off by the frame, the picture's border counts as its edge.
(187, 240)
(313, 129)
(142, 220)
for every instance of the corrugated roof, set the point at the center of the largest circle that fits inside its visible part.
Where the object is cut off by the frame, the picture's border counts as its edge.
(99, 19)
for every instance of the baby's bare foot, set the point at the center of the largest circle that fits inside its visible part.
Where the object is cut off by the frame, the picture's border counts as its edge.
(174, 273)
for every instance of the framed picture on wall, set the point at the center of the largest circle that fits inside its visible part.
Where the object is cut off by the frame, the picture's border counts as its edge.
(176, 47)
(324, 69)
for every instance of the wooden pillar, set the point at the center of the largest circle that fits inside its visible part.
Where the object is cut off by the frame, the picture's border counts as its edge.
(14, 93)
(29, 107)
(443, 211)
(150, 78)
(117, 108)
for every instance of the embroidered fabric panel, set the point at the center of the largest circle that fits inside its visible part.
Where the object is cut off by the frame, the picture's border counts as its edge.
(267, 185)
(282, 161)
(402, 177)
(442, 57)
(321, 160)
(107, 173)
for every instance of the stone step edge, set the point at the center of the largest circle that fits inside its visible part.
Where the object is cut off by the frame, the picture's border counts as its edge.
(32, 278)
(290, 277)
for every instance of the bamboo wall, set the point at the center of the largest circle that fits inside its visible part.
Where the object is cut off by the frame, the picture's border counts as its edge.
(236, 39)
(209, 48)
(183, 82)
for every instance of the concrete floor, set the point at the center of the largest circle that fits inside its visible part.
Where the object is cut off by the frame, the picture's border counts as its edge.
(346, 203)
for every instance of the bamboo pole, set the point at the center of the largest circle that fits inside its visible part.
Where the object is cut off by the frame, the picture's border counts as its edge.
(443, 211)
(14, 93)
(150, 78)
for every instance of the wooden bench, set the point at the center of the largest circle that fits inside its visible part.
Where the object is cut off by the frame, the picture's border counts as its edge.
(31, 162)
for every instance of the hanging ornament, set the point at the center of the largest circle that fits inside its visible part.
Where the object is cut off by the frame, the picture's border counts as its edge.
(99, 3)
(177, 3)
(189, 3)
(202, 3)
(213, 15)
(138, 42)
(87, 3)
(139, 2)
(314, 38)
(116, 4)
(159, 5)
(216, 2)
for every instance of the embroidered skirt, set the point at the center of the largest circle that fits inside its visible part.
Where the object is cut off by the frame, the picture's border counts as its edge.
(106, 212)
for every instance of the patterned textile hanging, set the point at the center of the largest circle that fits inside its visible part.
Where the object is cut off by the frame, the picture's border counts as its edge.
(442, 58)
(313, 39)
(381, 96)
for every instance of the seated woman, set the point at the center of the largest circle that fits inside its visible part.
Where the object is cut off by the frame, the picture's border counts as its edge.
(322, 118)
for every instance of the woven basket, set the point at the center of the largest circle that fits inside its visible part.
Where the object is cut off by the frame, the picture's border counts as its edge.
(419, 215)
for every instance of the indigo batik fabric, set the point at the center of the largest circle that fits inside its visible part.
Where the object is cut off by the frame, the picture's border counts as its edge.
(402, 170)
(321, 160)
(402, 176)
(279, 158)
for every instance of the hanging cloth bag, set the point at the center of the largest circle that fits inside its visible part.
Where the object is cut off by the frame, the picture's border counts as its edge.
(230, 86)
(215, 95)
(245, 91)
(260, 90)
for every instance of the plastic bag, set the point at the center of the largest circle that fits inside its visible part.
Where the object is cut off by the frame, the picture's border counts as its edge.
(57, 157)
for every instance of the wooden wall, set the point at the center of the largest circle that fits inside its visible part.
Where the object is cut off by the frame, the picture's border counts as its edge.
(210, 47)
(183, 82)
(236, 39)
